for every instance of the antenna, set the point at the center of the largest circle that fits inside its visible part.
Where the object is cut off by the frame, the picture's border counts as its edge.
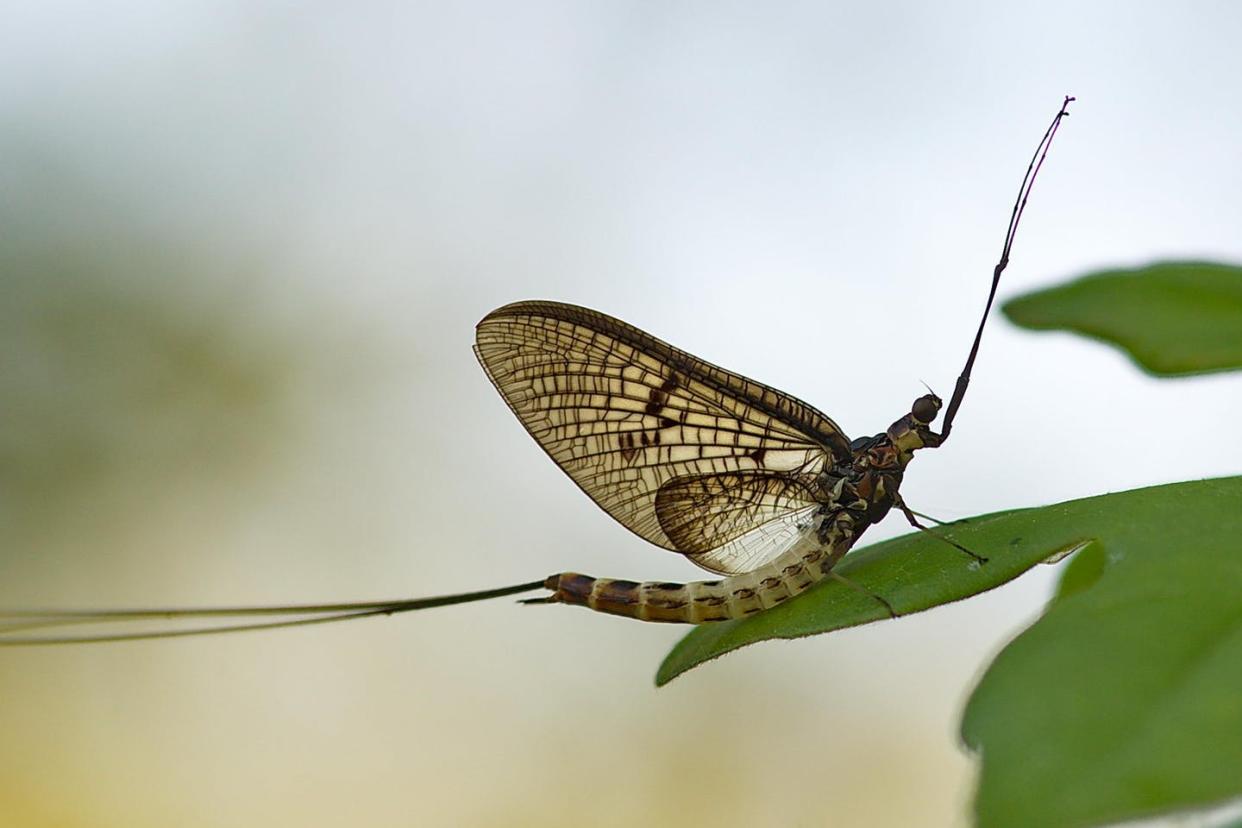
(1019, 206)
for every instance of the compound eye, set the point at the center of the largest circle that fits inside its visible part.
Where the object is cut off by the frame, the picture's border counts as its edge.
(925, 408)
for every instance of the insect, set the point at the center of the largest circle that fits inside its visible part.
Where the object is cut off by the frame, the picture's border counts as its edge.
(743, 480)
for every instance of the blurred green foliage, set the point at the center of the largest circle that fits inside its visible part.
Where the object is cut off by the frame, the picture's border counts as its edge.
(1172, 318)
(1125, 698)
(121, 372)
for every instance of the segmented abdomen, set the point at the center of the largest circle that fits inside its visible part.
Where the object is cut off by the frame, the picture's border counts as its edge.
(699, 602)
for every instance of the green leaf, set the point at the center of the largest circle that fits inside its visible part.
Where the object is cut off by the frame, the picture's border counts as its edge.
(1172, 318)
(914, 572)
(1125, 699)
(1083, 570)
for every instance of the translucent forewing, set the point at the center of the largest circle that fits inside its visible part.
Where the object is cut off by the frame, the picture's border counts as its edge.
(628, 416)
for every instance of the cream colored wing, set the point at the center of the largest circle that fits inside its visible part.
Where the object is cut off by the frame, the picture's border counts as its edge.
(625, 414)
(737, 521)
(759, 545)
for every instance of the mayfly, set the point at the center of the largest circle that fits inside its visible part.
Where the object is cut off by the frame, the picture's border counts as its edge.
(745, 481)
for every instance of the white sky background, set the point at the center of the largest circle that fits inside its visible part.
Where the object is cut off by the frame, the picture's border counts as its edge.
(809, 194)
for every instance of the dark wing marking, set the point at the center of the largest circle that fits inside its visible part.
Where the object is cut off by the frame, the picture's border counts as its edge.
(623, 413)
(730, 523)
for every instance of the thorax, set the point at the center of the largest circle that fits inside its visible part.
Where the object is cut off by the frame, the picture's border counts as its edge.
(867, 483)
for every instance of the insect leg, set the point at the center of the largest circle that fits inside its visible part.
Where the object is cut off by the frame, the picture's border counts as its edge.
(936, 521)
(914, 521)
(860, 588)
